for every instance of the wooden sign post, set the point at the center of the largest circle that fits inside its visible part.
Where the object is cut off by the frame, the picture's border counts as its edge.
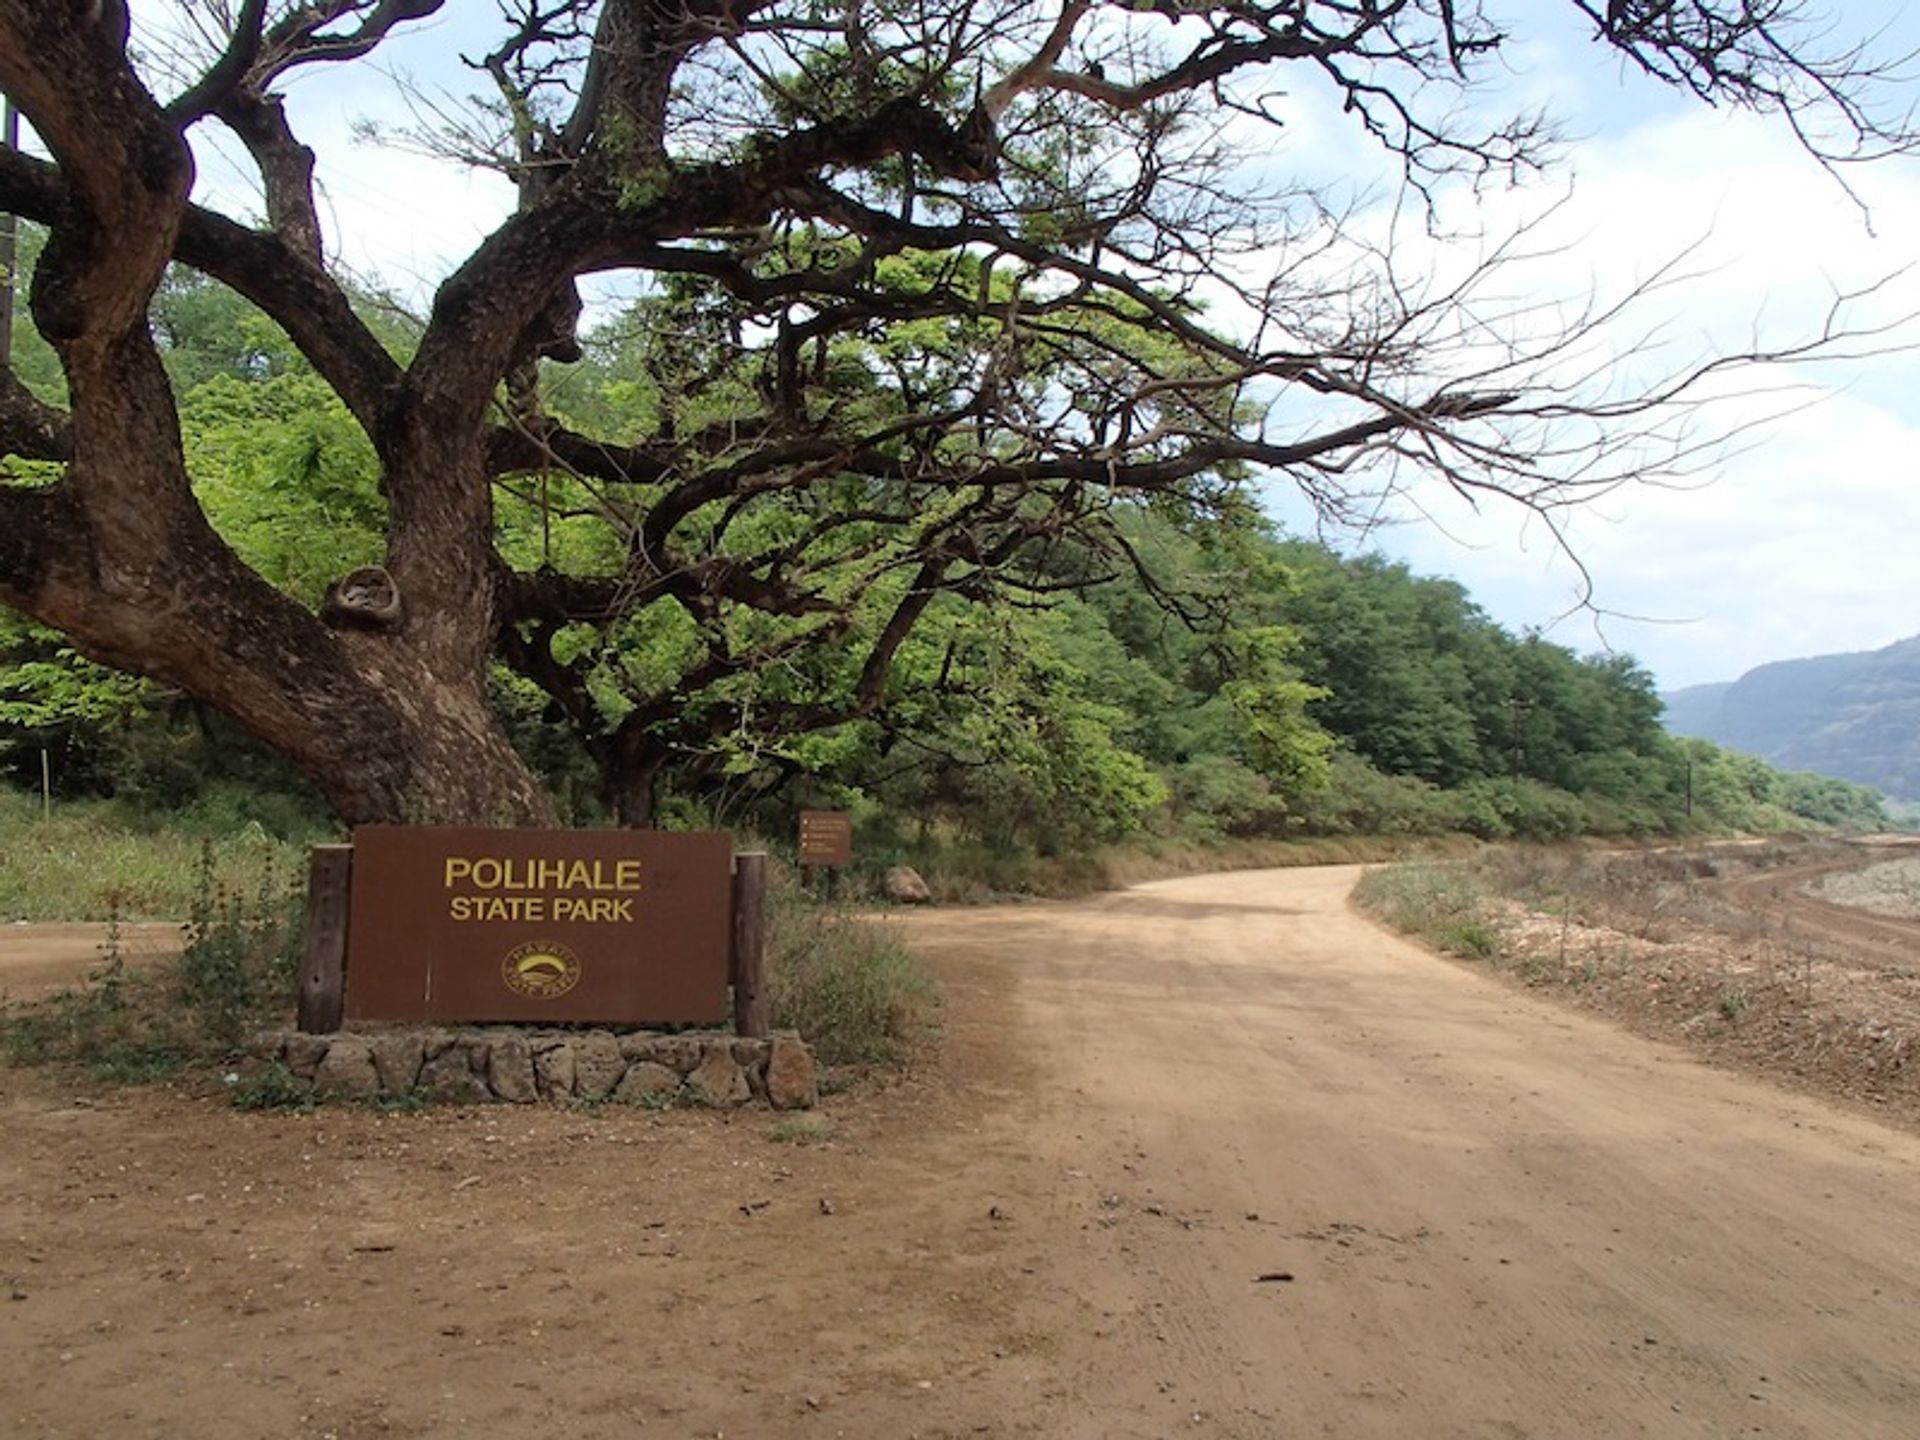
(826, 843)
(752, 1008)
(323, 942)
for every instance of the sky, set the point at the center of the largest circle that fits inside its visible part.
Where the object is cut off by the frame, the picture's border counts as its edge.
(1801, 539)
(1798, 538)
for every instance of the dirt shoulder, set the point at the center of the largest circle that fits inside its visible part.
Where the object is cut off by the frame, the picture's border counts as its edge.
(37, 959)
(1771, 962)
(1209, 1157)
(171, 1267)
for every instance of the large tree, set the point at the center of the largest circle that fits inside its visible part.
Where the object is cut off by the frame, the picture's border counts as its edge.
(946, 282)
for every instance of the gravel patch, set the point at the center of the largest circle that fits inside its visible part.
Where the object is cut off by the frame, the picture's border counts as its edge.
(1891, 887)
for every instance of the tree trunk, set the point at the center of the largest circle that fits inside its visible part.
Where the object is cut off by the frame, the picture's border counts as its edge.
(384, 730)
(388, 716)
(630, 780)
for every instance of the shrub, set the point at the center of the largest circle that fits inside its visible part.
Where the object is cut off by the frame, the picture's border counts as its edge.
(1363, 801)
(241, 955)
(1442, 904)
(847, 984)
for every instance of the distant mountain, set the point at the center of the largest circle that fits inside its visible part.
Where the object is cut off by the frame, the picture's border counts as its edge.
(1855, 716)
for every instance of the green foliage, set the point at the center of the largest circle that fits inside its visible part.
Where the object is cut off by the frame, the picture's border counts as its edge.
(241, 954)
(1360, 800)
(1256, 689)
(271, 1087)
(287, 477)
(33, 361)
(1740, 792)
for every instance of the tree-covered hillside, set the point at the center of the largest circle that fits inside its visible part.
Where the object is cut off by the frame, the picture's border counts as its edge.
(1854, 715)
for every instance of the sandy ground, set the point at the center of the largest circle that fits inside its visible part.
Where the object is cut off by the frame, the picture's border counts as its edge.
(1211, 1157)
(1869, 910)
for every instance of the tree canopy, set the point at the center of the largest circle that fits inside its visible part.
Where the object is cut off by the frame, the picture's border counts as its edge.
(937, 295)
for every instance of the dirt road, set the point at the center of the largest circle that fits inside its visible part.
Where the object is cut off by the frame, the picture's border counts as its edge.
(1794, 894)
(38, 959)
(1497, 1219)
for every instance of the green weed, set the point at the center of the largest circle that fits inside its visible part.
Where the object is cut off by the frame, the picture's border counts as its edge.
(1475, 939)
(1443, 904)
(811, 1128)
(235, 973)
(272, 1087)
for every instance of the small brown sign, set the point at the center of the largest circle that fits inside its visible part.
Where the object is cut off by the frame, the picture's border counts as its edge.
(826, 838)
(530, 925)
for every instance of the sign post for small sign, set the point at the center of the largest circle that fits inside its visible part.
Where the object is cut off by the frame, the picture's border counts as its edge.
(826, 843)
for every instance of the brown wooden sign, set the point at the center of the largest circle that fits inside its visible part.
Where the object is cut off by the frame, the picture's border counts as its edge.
(532, 925)
(826, 838)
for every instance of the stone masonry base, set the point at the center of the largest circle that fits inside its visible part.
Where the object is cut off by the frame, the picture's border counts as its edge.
(478, 1065)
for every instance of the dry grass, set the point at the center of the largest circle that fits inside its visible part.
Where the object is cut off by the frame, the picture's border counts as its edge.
(1713, 947)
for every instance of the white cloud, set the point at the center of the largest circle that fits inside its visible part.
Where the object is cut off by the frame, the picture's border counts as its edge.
(1803, 540)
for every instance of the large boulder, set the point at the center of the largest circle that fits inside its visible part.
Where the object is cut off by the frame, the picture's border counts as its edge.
(302, 1054)
(397, 1057)
(448, 1078)
(718, 1079)
(904, 886)
(645, 1080)
(553, 1071)
(790, 1079)
(510, 1071)
(597, 1065)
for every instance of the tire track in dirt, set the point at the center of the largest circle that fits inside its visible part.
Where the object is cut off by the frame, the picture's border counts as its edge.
(1884, 939)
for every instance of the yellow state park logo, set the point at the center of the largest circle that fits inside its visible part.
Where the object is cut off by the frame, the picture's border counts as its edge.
(540, 970)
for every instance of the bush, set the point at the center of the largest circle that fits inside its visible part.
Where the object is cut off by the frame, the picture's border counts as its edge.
(1215, 796)
(1363, 801)
(848, 985)
(1498, 808)
(241, 958)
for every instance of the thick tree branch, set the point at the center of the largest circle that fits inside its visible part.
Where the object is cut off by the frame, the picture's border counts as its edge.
(286, 169)
(301, 297)
(224, 77)
(28, 428)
